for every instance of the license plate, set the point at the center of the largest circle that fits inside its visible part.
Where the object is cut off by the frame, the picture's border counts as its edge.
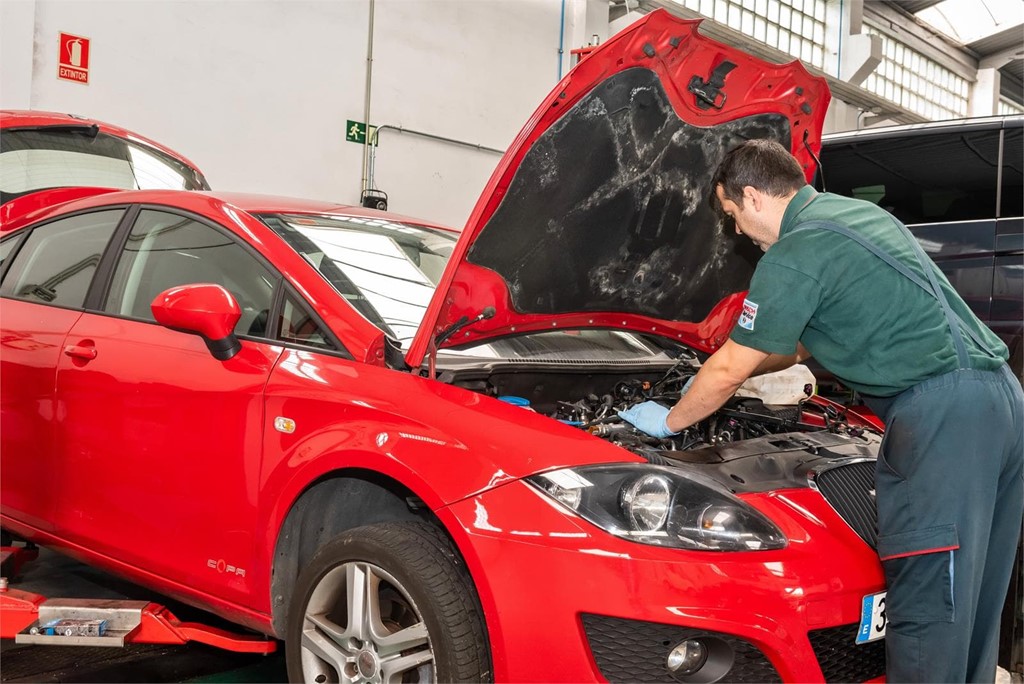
(872, 618)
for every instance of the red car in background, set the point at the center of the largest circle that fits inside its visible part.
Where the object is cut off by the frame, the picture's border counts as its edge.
(397, 448)
(40, 151)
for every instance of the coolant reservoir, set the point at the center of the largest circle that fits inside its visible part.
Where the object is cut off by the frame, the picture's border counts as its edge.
(784, 387)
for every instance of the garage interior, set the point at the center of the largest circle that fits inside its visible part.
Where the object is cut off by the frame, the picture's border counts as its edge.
(274, 97)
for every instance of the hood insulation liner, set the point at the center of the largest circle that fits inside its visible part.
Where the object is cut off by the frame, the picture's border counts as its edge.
(609, 209)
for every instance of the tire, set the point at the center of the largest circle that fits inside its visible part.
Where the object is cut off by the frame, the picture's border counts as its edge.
(6, 539)
(415, 584)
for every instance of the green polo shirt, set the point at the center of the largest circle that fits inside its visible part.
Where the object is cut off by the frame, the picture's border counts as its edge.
(873, 328)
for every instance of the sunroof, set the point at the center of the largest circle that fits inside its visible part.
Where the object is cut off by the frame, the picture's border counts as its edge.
(966, 21)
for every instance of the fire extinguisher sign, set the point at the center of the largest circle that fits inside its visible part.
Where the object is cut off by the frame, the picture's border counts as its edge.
(73, 58)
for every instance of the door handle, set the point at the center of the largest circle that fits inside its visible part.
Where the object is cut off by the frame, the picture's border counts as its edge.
(79, 352)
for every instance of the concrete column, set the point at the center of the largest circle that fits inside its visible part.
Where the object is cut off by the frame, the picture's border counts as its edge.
(984, 97)
(855, 54)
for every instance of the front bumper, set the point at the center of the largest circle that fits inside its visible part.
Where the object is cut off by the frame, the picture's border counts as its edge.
(565, 601)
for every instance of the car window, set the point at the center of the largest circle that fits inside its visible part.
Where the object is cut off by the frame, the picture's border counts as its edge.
(299, 327)
(58, 260)
(35, 159)
(1011, 202)
(910, 175)
(165, 250)
(386, 269)
(6, 247)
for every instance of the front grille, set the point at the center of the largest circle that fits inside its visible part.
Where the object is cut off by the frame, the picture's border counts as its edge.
(850, 490)
(636, 651)
(842, 659)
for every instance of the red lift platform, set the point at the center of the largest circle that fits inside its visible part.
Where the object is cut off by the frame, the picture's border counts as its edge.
(34, 619)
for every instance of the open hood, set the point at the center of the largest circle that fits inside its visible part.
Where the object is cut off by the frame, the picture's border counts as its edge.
(598, 214)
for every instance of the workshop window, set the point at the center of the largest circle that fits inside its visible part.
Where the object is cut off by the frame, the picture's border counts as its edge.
(916, 82)
(796, 27)
(57, 262)
(165, 250)
(1007, 107)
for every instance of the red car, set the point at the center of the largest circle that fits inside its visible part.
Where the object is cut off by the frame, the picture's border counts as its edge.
(40, 151)
(397, 448)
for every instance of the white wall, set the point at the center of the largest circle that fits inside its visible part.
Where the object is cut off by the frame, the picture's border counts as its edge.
(17, 19)
(257, 92)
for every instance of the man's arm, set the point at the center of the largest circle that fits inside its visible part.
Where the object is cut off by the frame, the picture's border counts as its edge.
(718, 379)
(777, 362)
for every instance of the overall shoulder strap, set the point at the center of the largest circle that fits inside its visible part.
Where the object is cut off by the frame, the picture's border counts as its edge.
(931, 286)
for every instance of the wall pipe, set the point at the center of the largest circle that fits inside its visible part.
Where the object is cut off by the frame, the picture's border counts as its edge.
(839, 52)
(561, 41)
(364, 183)
(372, 140)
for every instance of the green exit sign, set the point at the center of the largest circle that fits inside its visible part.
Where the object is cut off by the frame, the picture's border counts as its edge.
(355, 131)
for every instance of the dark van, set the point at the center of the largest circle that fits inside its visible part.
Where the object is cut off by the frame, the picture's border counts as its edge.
(959, 187)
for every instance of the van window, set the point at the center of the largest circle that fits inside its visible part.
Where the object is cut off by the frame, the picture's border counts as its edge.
(1012, 201)
(920, 178)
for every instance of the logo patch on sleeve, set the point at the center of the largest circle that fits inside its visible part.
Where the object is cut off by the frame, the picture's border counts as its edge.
(748, 315)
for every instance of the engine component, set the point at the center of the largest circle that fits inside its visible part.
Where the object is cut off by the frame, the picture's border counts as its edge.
(741, 418)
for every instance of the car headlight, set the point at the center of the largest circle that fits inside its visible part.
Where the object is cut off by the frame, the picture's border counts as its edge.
(662, 507)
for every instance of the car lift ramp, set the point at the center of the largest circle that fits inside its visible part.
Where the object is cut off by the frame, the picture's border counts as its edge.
(24, 617)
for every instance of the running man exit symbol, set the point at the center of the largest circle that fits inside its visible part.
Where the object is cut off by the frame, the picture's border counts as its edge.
(355, 131)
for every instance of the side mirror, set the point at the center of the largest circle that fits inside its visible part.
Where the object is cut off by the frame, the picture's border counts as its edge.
(201, 309)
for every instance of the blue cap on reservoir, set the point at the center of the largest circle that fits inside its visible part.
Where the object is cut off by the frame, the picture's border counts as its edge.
(515, 401)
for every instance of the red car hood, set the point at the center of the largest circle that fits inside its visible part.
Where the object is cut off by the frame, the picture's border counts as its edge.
(597, 215)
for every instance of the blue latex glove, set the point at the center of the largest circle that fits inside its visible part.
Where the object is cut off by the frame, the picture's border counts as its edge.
(648, 417)
(686, 387)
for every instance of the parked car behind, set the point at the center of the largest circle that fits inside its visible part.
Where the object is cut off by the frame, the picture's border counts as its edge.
(45, 150)
(397, 447)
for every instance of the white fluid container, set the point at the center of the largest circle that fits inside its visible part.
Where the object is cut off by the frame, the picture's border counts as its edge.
(785, 387)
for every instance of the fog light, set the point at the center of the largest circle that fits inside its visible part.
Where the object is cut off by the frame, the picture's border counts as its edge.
(687, 657)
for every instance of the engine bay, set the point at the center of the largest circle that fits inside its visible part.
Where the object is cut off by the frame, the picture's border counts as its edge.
(591, 400)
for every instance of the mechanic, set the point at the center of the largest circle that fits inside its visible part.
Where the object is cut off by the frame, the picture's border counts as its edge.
(845, 281)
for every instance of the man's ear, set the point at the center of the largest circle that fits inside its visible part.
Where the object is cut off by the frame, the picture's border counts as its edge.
(754, 196)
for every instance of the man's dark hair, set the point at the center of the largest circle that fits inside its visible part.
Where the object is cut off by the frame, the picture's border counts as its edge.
(762, 164)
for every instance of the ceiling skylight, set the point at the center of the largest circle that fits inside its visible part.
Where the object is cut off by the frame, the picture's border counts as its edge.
(966, 21)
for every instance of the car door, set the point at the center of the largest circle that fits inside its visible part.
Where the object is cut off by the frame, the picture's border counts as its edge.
(161, 442)
(42, 295)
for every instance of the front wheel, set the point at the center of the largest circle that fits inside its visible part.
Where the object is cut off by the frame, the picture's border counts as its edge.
(391, 602)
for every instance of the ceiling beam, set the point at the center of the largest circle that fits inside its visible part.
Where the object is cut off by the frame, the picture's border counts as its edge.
(913, 6)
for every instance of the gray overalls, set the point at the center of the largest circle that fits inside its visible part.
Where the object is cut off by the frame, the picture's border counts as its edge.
(950, 498)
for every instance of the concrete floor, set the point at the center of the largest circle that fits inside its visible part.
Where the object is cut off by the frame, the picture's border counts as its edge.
(54, 575)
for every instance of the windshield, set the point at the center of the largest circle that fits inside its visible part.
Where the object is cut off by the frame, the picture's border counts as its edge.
(40, 158)
(606, 346)
(385, 269)
(388, 270)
